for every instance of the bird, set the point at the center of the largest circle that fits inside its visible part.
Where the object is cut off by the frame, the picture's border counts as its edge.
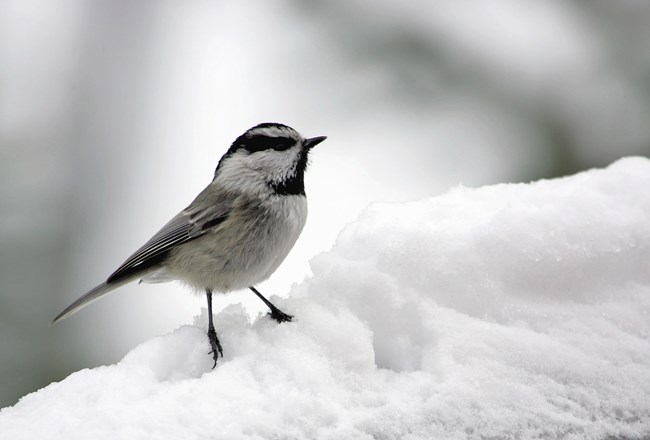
(235, 233)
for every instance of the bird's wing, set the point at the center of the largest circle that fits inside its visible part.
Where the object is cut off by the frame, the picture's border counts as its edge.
(207, 211)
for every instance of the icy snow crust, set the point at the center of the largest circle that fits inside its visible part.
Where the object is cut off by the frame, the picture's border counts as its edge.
(510, 311)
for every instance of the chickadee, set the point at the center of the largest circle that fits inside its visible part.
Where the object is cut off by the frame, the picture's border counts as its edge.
(236, 232)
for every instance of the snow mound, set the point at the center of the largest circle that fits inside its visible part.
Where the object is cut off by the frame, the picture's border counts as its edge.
(509, 311)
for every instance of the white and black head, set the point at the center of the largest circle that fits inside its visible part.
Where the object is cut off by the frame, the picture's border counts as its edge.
(270, 156)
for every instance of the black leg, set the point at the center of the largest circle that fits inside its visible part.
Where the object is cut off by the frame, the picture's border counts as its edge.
(212, 334)
(276, 313)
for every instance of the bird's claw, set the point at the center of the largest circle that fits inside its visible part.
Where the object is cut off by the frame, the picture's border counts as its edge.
(279, 316)
(215, 345)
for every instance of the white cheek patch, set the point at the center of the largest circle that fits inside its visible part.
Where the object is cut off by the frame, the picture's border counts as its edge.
(235, 174)
(253, 171)
(275, 165)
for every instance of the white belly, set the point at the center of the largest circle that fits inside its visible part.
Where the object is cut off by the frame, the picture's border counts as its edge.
(244, 250)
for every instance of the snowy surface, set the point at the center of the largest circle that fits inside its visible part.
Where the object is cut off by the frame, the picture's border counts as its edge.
(509, 311)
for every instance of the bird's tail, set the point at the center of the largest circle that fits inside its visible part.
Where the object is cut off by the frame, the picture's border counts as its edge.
(91, 296)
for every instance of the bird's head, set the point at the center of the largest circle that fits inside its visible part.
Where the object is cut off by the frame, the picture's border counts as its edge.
(269, 156)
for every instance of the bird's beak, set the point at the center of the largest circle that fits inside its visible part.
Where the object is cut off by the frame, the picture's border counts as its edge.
(312, 142)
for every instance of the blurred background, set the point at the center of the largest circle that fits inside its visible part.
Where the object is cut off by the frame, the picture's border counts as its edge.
(113, 115)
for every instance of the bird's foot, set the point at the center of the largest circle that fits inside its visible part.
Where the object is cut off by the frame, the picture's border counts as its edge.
(215, 344)
(280, 316)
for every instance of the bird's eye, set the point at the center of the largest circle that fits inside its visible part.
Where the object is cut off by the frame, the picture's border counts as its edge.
(283, 145)
(261, 143)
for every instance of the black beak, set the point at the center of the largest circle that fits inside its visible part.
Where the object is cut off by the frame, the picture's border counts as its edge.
(312, 142)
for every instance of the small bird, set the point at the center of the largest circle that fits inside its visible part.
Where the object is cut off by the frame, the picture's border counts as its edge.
(236, 232)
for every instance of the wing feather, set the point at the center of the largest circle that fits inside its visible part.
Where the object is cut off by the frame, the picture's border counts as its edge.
(206, 212)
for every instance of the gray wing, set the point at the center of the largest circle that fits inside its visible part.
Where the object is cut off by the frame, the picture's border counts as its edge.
(207, 211)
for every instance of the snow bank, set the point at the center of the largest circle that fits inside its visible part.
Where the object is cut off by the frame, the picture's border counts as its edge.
(510, 311)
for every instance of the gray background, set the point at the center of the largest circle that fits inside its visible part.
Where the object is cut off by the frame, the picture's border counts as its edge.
(113, 115)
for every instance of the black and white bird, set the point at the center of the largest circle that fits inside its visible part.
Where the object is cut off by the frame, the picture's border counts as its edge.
(236, 232)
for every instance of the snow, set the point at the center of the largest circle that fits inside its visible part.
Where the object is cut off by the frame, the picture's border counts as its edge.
(507, 311)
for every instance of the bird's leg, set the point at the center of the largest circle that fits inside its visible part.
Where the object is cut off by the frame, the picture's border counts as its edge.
(212, 334)
(276, 313)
